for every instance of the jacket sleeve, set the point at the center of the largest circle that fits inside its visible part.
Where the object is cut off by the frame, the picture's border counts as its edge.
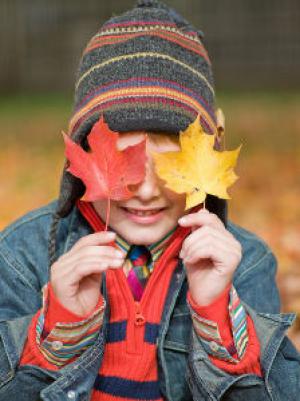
(280, 361)
(24, 270)
(20, 299)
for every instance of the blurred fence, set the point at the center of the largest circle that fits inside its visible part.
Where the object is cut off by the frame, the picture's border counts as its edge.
(253, 43)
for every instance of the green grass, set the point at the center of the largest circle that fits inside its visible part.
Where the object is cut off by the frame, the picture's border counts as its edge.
(25, 104)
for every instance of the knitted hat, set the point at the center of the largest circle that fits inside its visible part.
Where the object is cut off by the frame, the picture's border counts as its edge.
(144, 70)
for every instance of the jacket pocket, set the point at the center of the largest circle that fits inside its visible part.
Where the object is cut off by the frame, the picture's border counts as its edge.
(179, 332)
(175, 356)
(176, 346)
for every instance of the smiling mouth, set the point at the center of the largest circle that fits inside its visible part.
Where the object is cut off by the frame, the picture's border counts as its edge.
(139, 212)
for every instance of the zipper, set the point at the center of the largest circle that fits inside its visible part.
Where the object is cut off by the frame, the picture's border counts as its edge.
(136, 331)
(139, 318)
(136, 318)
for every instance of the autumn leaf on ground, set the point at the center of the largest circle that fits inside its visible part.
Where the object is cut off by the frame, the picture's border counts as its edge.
(197, 169)
(106, 171)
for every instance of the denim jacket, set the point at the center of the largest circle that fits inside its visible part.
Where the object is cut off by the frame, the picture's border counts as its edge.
(185, 370)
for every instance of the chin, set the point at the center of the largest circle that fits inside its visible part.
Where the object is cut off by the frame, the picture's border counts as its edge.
(145, 236)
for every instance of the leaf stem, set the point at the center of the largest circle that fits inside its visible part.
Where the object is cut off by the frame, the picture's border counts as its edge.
(107, 214)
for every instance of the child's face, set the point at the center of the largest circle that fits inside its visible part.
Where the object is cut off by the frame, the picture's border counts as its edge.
(153, 210)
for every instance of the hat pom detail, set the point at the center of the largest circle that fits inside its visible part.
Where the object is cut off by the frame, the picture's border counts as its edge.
(151, 4)
(176, 17)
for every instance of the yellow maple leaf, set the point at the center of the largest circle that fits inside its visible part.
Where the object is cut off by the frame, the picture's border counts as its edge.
(197, 169)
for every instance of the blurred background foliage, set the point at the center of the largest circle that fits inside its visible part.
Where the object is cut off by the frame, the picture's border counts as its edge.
(255, 49)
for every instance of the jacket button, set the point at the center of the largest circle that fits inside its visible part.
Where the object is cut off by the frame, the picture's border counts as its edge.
(213, 346)
(71, 395)
(56, 345)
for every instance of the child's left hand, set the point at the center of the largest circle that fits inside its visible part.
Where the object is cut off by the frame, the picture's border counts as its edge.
(211, 255)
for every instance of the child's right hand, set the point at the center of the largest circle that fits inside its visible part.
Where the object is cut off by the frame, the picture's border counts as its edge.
(77, 275)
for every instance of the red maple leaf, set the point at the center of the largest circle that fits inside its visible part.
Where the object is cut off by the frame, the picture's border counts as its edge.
(106, 171)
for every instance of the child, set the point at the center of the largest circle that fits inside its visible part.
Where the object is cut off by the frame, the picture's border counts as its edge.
(167, 304)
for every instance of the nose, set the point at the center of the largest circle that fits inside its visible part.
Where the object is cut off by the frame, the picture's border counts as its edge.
(149, 187)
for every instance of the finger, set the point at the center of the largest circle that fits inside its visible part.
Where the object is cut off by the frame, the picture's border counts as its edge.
(88, 270)
(84, 270)
(200, 218)
(68, 269)
(203, 252)
(101, 260)
(230, 248)
(213, 248)
(98, 238)
(100, 251)
(90, 267)
(204, 232)
(80, 255)
(219, 252)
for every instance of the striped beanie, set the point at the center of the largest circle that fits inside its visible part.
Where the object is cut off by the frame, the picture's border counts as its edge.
(146, 69)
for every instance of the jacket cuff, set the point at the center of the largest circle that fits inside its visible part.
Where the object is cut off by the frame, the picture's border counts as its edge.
(250, 363)
(221, 326)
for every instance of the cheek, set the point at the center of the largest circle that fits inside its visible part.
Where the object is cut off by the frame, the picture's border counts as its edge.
(177, 200)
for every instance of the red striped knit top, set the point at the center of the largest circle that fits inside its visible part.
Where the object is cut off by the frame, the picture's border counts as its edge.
(129, 368)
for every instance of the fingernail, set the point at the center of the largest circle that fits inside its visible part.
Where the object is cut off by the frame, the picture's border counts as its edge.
(119, 254)
(111, 234)
(182, 220)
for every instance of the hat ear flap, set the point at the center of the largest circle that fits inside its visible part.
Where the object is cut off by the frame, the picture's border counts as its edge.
(71, 189)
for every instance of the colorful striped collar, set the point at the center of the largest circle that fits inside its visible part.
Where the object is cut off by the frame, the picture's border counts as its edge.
(156, 249)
